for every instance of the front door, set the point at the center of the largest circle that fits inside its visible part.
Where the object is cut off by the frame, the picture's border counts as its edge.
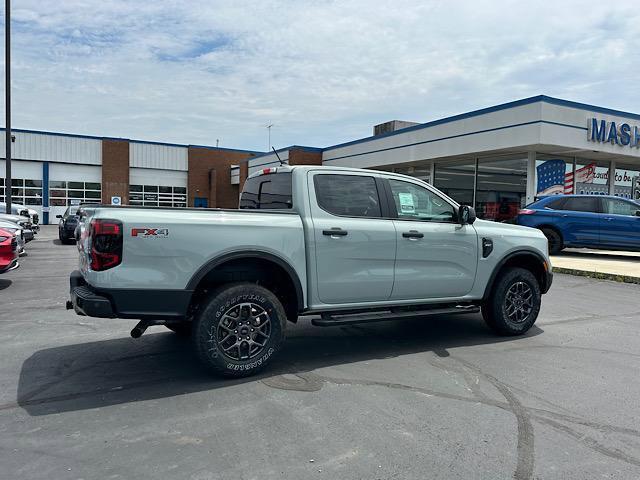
(580, 220)
(436, 257)
(354, 247)
(620, 225)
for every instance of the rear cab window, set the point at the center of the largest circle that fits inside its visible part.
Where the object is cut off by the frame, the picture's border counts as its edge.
(267, 192)
(348, 195)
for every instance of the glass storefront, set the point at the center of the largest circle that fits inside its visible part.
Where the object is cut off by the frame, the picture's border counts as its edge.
(501, 187)
(456, 180)
(497, 186)
(626, 175)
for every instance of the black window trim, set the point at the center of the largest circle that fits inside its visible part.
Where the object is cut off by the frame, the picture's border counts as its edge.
(384, 207)
(392, 203)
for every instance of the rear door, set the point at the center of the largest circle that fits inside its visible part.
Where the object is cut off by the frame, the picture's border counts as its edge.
(580, 220)
(620, 224)
(436, 257)
(355, 247)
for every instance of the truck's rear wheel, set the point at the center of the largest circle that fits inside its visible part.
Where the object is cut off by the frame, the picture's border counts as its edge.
(239, 329)
(514, 304)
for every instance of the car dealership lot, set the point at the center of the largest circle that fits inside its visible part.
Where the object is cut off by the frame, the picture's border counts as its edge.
(431, 398)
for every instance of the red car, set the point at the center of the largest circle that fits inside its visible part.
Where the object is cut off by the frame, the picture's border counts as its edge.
(8, 251)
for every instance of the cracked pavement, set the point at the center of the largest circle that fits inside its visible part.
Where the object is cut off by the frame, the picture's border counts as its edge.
(437, 398)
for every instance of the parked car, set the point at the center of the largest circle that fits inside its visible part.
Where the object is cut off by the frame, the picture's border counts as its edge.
(344, 245)
(590, 221)
(8, 251)
(67, 224)
(16, 230)
(20, 220)
(30, 213)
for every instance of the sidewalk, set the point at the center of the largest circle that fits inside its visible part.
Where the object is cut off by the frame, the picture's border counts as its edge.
(610, 265)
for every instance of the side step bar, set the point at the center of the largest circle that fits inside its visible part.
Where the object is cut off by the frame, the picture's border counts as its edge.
(328, 320)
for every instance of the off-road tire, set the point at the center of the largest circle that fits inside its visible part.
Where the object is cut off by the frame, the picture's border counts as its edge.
(495, 310)
(554, 239)
(207, 329)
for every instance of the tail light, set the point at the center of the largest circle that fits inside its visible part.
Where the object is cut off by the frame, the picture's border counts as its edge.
(106, 244)
(526, 211)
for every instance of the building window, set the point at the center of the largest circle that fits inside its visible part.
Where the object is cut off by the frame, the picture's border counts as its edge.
(61, 193)
(157, 196)
(501, 187)
(625, 176)
(591, 177)
(423, 172)
(456, 180)
(23, 191)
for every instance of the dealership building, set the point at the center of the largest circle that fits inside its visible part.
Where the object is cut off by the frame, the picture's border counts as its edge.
(497, 159)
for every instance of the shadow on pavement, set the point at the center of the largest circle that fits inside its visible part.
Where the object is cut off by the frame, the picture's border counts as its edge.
(58, 242)
(160, 365)
(5, 283)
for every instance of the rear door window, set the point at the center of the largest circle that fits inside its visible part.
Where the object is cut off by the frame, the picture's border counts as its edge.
(619, 207)
(582, 204)
(270, 191)
(348, 195)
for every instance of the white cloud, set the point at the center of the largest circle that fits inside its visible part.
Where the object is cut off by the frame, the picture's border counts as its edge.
(322, 71)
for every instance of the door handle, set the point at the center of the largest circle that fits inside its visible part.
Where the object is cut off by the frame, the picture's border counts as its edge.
(608, 219)
(335, 232)
(412, 234)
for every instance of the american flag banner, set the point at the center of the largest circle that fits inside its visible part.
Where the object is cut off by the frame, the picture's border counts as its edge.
(553, 180)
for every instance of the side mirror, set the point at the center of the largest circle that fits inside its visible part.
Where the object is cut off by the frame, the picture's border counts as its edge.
(637, 213)
(58, 216)
(466, 215)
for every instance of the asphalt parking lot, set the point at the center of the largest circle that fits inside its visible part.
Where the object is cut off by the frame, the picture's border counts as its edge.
(432, 398)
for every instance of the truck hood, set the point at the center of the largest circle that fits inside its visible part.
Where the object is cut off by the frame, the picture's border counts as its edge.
(498, 228)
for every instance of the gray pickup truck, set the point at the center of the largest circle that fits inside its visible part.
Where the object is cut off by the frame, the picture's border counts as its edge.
(340, 245)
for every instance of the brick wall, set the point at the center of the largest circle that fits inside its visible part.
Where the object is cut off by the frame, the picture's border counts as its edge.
(215, 186)
(115, 170)
(303, 157)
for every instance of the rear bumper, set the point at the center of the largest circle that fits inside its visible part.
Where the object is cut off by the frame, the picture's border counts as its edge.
(86, 302)
(126, 303)
(7, 267)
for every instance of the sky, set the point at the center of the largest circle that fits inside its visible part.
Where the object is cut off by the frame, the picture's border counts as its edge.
(322, 72)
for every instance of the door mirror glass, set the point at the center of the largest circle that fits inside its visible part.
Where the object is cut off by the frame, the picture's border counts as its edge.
(466, 215)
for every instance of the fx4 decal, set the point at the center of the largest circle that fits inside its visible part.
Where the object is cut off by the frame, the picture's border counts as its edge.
(150, 232)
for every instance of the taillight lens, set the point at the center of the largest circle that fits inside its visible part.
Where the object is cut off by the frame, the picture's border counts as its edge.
(526, 211)
(106, 244)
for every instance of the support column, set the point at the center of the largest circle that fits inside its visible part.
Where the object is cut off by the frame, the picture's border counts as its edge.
(531, 177)
(45, 193)
(612, 177)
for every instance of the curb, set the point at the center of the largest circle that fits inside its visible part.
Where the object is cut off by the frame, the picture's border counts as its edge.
(598, 275)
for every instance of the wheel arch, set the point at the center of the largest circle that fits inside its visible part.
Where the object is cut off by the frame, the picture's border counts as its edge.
(527, 259)
(264, 268)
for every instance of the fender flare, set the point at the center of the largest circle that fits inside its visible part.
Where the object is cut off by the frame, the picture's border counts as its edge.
(217, 261)
(530, 252)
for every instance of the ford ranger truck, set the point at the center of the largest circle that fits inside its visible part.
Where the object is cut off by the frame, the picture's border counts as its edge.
(339, 245)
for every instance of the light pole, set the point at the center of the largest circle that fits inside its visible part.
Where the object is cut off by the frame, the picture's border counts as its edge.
(7, 102)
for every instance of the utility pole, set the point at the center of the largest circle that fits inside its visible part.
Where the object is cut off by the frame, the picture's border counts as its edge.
(7, 102)
(269, 129)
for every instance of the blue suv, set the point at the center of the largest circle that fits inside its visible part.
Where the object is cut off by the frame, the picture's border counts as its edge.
(592, 221)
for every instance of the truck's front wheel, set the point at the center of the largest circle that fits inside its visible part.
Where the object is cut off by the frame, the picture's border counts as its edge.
(239, 329)
(514, 304)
